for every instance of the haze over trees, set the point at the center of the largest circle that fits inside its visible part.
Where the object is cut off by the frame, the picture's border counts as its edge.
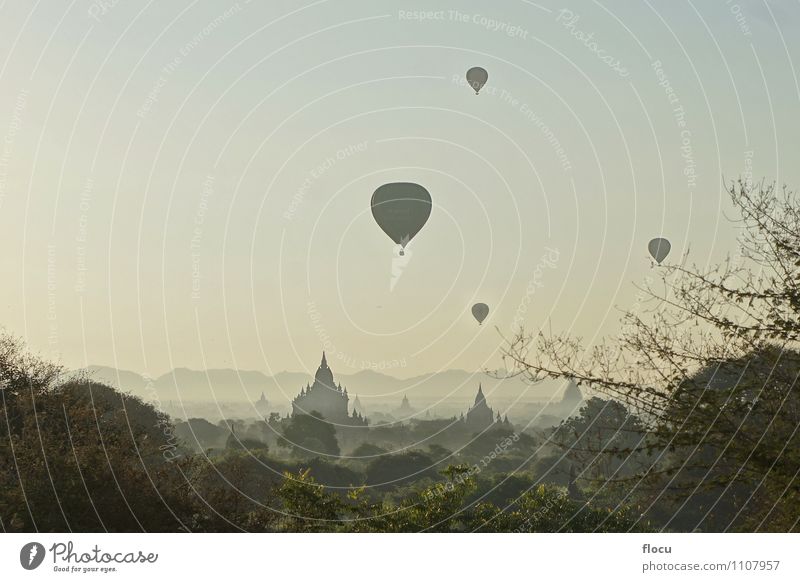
(78, 455)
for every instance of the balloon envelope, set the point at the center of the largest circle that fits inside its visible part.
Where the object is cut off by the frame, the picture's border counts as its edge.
(480, 311)
(401, 209)
(659, 249)
(477, 77)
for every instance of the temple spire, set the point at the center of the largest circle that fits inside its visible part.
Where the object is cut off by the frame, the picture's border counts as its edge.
(324, 375)
(479, 397)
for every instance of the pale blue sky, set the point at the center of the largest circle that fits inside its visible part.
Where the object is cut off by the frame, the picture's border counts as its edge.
(143, 127)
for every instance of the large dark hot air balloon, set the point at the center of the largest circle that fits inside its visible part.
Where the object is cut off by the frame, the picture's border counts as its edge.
(659, 249)
(477, 77)
(480, 311)
(401, 209)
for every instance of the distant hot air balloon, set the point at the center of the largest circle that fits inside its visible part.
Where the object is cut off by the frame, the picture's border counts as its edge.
(480, 311)
(401, 209)
(477, 77)
(659, 249)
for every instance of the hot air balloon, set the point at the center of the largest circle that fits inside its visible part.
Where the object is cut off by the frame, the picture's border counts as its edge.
(401, 209)
(477, 77)
(480, 311)
(659, 249)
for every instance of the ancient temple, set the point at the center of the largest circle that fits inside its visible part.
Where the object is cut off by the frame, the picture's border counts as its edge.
(405, 409)
(357, 406)
(326, 398)
(480, 417)
(569, 404)
(262, 406)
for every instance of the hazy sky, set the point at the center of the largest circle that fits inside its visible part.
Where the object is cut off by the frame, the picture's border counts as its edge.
(187, 184)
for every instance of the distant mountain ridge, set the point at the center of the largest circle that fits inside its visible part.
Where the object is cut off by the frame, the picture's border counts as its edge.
(231, 385)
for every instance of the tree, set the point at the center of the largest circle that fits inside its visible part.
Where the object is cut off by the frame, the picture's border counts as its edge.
(199, 434)
(307, 507)
(235, 491)
(245, 444)
(365, 451)
(602, 441)
(547, 508)
(710, 366)
(443, 506)
(750, 408)
(399, 468)
(82, 456)
(310, 434)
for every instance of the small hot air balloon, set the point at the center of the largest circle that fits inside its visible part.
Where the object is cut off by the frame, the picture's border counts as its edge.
(480, 311)
(477, 77)
(401, 209)
(659, 249)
